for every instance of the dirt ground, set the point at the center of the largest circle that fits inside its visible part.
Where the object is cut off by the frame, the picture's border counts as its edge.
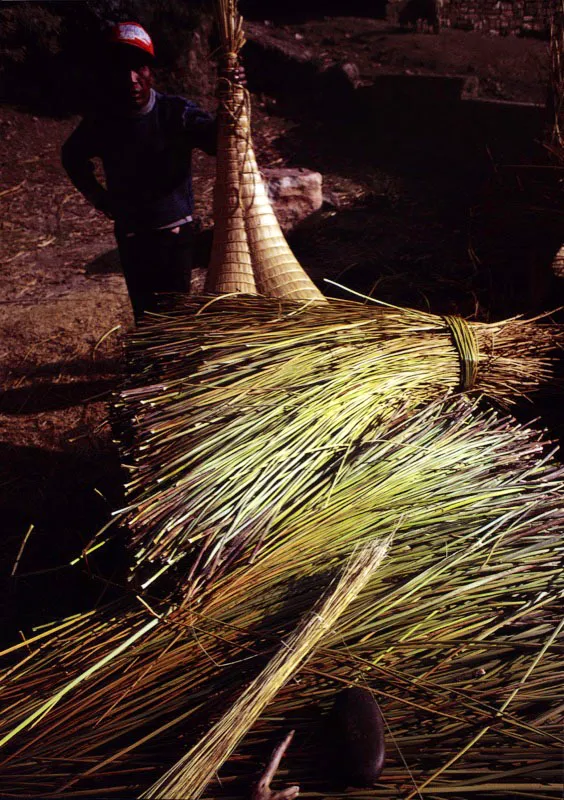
(408, 231)
(507, 68)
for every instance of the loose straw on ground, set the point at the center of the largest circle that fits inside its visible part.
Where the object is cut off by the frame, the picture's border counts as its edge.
(469, 591)
(191, 775)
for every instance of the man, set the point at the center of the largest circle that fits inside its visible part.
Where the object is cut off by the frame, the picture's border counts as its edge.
(145, 141)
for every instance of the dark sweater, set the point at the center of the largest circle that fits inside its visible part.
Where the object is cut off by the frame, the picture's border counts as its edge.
(146, 159)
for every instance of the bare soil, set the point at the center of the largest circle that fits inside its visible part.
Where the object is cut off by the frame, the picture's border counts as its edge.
(410, 229)
(508, 68)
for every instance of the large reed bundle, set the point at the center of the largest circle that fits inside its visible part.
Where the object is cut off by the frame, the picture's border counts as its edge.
(458, 632)
(241, 409)
(249, 252)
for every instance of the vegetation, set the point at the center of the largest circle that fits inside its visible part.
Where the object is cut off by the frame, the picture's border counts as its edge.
(251, 407)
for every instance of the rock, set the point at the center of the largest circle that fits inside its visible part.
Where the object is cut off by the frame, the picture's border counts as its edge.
(355, 736)
(331, 201)
(295, 73)
(274, 63)
(341, 77)
(558, 263)
(470, 87)
(295, 193)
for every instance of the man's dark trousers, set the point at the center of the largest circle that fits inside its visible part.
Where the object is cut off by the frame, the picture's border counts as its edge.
(154, 262)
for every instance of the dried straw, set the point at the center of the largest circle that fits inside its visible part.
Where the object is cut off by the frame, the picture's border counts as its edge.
(242, 409)
(464, 610)
(195, 770)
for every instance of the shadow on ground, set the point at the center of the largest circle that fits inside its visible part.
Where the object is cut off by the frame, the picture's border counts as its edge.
(67, 497)
(64, 492)
(462, 204)
(54, 396)
(106, 264)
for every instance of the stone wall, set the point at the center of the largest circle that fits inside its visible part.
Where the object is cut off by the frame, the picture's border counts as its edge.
(502, 17)
(498, 16)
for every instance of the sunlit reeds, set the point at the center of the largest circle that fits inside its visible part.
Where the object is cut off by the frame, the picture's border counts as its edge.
(241, 409)
(457, 633)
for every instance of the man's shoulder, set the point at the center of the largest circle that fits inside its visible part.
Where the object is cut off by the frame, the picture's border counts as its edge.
(177, 112)
(174, 102)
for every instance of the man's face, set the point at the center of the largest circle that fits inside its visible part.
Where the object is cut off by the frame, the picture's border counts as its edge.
(130, 80)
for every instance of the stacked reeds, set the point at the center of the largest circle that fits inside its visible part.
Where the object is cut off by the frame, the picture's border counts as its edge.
(199, 766)
(457, 632)
(244, 408)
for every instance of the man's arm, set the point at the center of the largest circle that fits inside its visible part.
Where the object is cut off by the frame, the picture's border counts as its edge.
(201, 128)
(76, 156)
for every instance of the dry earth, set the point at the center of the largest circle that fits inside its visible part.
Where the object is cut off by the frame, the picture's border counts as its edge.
(508, 68)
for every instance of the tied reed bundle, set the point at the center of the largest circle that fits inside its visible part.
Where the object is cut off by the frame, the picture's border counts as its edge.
(249, 251)
(457, 633)
(240, 410)
(195, 770)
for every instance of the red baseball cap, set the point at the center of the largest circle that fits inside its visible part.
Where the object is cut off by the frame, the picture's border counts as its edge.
(133, 34)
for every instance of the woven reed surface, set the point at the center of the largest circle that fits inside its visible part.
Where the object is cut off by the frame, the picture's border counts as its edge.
(231, 268)
(278, 273)
(250, 253)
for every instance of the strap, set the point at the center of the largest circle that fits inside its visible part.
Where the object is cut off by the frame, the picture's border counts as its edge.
(467, 347)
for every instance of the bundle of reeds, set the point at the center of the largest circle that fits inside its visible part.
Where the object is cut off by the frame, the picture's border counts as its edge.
(199, 766)
(249, 251)
(240, 410)
(458, 633)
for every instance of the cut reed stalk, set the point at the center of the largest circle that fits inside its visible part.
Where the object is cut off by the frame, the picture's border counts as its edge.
(449, 626)
(191, 775)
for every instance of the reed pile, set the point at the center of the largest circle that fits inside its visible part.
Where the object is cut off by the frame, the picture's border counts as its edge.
(240, 409)
(458, 633)
(195, 771)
